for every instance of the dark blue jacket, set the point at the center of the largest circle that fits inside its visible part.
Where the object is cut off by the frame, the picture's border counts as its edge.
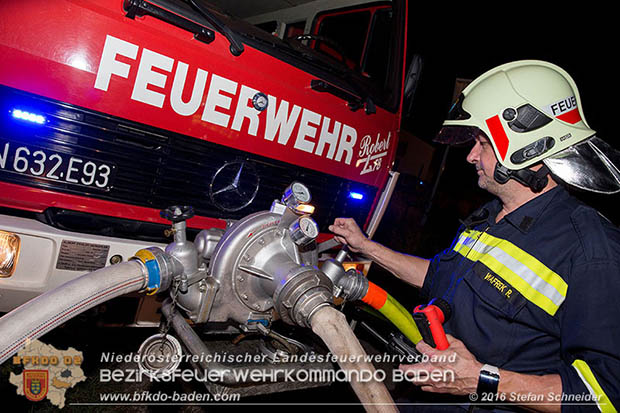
(538, 293)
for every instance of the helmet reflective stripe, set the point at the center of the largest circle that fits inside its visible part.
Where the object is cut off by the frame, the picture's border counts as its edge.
(565, 110)
(571, 117)
(498, 135)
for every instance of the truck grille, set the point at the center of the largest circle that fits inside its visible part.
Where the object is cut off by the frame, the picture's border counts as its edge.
(157, 168)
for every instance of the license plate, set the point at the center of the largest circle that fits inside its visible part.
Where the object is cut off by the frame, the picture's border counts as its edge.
(55, 166)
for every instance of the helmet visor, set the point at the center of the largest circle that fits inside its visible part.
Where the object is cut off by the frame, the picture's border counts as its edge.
(592, 165)
(457, 135)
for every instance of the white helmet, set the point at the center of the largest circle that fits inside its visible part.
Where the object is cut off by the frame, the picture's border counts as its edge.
(531, 112)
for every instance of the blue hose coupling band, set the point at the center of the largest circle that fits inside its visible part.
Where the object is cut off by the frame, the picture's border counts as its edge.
(152, 267)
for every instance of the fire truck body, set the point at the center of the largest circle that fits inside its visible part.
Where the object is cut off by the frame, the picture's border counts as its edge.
(111, 111)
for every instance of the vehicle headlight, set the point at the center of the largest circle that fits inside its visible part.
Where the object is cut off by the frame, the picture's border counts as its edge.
(9, 253)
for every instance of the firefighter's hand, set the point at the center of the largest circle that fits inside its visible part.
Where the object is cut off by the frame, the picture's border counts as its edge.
(347, 232)
(454, 370)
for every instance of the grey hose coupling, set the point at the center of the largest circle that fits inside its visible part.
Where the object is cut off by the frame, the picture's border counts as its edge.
(353, 284)
(160, 268)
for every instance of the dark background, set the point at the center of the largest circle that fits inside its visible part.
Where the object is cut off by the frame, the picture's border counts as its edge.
(466, 41)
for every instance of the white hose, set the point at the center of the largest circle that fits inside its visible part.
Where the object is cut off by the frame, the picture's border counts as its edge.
(331, 325)
(43, 313)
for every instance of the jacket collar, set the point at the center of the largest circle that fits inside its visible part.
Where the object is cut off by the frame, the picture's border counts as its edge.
(527, 215)
(523, 218)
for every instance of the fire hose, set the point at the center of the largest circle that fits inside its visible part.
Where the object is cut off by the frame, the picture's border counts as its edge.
(52, 308)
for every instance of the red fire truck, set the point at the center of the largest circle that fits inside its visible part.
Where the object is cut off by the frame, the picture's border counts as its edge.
(111, 111)
(114, 110)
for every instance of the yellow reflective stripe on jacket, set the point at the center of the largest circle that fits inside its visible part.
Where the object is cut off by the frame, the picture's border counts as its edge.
(603, 402)
(530, 277)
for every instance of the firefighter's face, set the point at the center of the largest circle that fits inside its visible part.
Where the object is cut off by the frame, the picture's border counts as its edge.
(483, 158)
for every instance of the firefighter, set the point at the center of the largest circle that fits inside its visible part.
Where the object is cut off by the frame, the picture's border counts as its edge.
(533, 277)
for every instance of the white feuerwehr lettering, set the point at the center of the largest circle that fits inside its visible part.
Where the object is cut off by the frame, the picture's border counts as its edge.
(216, 99)
(328, 138)
(109, 65)
(245, 111)
(348, 137)
(307, 128)
(176, 94)
(279, 120)
(147, 76)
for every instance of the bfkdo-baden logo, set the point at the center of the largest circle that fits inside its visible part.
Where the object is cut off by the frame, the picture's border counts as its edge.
(47, 372)
(36, 384)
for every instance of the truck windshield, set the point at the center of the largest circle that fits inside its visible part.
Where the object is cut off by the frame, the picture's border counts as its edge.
(350, 43)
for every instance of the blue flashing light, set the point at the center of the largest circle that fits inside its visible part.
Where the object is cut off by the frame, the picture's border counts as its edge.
(28, 116)
(356, 195)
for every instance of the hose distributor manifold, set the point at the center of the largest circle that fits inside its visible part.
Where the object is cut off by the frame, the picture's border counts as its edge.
(268, 260)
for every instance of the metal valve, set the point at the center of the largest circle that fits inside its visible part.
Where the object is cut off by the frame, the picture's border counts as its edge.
(177, 213)
(181, 249)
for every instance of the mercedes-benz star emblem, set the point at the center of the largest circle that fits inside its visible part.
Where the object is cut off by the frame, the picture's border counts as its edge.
(234, 186)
